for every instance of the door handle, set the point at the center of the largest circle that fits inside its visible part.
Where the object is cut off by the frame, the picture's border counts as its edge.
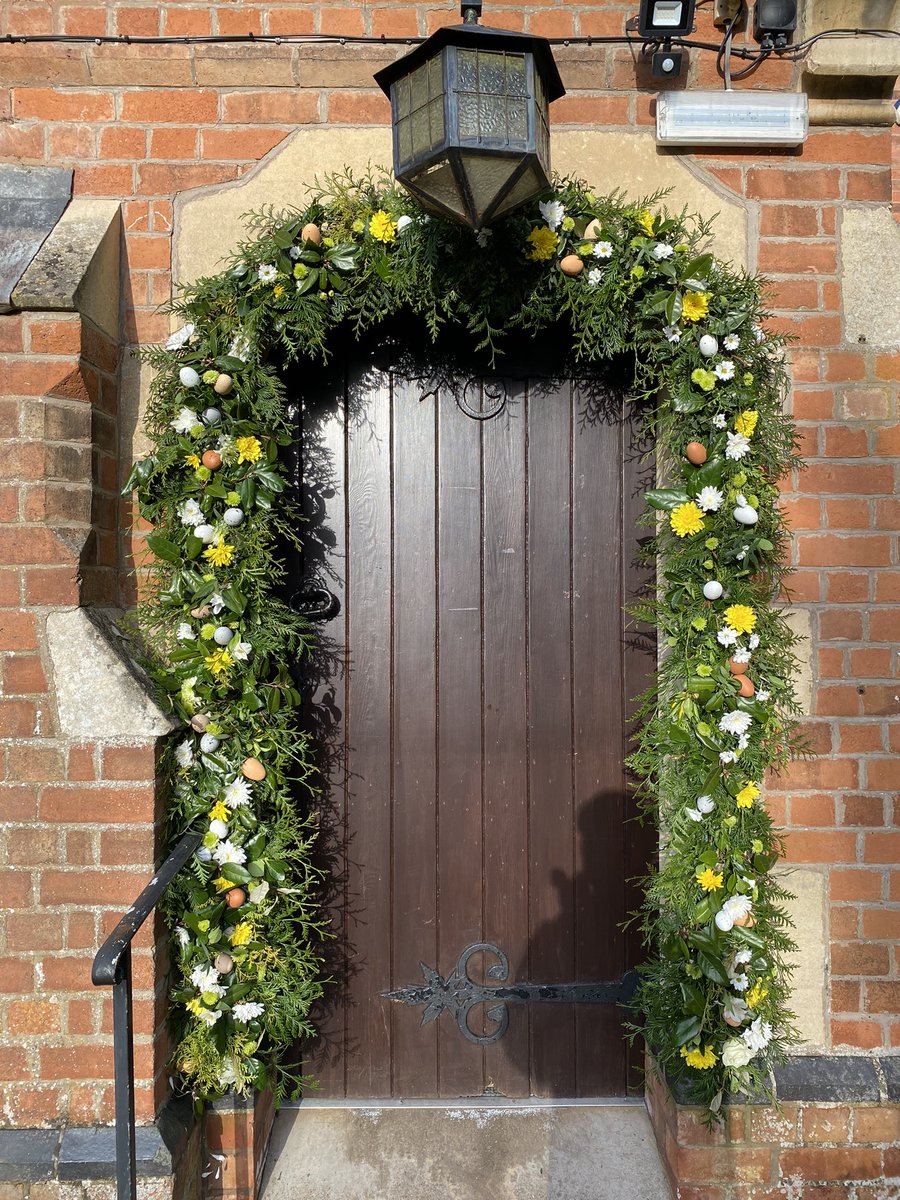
(315, 603)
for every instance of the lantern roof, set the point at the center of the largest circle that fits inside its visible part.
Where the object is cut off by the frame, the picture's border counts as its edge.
(478, 37)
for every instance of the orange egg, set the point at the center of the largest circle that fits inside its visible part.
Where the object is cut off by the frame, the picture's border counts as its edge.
(212, 460)
(695, 453)
(571, 265)
(746, 922)
(223, 385)
(235, 898)
(592, 232)
(252, 768)
(730, 1020)
(737, 668)
(311, 233)
(747, 687)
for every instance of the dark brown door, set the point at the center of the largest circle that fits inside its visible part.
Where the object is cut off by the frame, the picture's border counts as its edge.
(470, 698)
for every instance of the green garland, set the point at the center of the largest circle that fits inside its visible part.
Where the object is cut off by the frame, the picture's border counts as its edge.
(624, 277)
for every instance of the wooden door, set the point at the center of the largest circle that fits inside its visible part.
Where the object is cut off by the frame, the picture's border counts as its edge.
(469, 696)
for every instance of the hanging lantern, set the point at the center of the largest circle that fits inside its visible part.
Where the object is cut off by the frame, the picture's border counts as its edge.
(469, 111)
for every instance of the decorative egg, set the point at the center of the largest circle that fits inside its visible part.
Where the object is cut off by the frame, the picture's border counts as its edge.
(311, 233)
(204, 609)
(737, 668)
(745, 515)
(212, 416)
(712, 589)
(252, 768)
(200, 722)
(747, 688)
(223, 635)
(708, 345)
(233, 516)
(593, 230)
(209, 743)
(224, 963)
(732, 1021)
(223, 385)
(695, 452)
(204, 854)
(747, 921)
(211, 459)
(571, 265)
(235, 897)
(205, 533)
(218, 828)
(189, 377)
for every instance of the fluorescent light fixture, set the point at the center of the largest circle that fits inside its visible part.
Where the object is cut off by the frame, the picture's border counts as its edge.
(732, 118)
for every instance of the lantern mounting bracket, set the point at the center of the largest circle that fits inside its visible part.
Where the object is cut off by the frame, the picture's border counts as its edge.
(470, 11)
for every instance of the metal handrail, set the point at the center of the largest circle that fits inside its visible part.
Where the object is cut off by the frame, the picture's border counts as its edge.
(112, 968)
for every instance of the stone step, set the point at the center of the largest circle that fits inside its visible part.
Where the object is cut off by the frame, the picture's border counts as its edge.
(563, 1151)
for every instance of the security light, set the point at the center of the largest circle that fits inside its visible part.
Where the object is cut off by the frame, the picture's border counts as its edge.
(665, 18)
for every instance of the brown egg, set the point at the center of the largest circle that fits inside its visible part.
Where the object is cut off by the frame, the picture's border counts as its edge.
(224, 963)
(211, 459)
(203, 611)
(223, 385)
(746, 922)
(731, 1021)
(311, 233)
(252, 768)
(695, 452)
(748, 687)
(571, 265)
(235, 898)
(592, 232)
(737, 668)
(200, 722)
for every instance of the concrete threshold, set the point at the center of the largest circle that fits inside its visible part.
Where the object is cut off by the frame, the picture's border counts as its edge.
(470, 1150)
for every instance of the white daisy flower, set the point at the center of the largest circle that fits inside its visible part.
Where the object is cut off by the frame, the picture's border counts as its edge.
(249, 1010)
(731, 342)
(603, 250)
(741, 656)
(267, 273)
(185, 421)
(483, 237)
(184, 754)
(228, 1075)
(727, 636)
(184, 632)
(594, 276)
(240, 651)
(719, 421)
(732, 910)
(208, 1016)
(180, 337)
(661, 251)
(735, 722)
(205, 978)
(694, 814)
(216, 603)
(190, 512)
(228, 852)
(763, 694)
(737, 447)
(182, 934)
(673, 334)
(758, 1036)
(710, 499)
(743, 741)
(553, 212)
(727, 756)
(295, 252)
(724, 370)
(753, 643)
(705, 804)
(238, 793)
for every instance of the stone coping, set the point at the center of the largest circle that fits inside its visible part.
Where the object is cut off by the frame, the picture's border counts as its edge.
(825, 1078)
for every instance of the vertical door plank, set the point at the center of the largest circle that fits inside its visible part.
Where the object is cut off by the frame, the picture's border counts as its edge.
(459, 722)
(597, 688)
(368, 734)
(414, 863)
(505, 744)
(551, 848)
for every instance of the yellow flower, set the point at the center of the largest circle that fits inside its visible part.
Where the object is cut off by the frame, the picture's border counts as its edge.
(222, 884)
(192, 460)
(193, 1005)
(243, 932)
(694, 306)
(249, 449)
(709, 880)
(701, 1059)
(645, 220)
(219, 556)
(756, 995)
(218, 662)
(685, 519)
(278, 289)
(543, 243)
(746, 796)
(746, 422)
(382, 227)
(741, 618)
(219, 811)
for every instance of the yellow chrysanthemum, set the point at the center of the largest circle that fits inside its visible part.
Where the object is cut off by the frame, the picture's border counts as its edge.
(645, 220)
(193, 1005)
(219, 556)
(694, 306)
(249, 449)
(243, 932)
(756, 995)
(219, 811)
(746, 796)
(741, 618)
(746, 422)
(222, 884)
(192, 460)
(543, 243)
(218, 662)
(701, 1059)
(278, 290)
(709, 880)
(686, 519)
(382, 226)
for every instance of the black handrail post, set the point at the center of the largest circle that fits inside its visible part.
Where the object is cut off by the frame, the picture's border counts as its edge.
(123, 1060)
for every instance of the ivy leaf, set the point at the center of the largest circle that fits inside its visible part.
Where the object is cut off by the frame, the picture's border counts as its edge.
(712, 968)
(229, 363)
(164, 549)
(284, 237)
(686, 1030)
(666, 499)
(235, 873)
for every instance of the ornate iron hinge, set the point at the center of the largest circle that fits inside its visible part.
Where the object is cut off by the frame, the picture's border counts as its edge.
(458, 994)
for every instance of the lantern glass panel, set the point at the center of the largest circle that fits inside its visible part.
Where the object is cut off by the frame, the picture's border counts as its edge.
(531, 183)
(439, 182)
(491, 93)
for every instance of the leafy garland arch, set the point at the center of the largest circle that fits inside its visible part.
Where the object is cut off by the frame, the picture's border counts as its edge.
(713, 997)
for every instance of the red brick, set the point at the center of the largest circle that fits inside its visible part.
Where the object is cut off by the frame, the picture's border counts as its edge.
(850, 478)
(857, 959)
(880, 699)
(830, 1163)
(840, 625)
(874, 184)
(846, 994)
(347, 21)
(844, 927)
(882, 924)
(789, 220)
(798, 257)
(49, 104)
(129, 762)
(860, 738)
(882, 997)
(865, 404)
(170, 106)
(353, 108)
(855, 884)
(590, 110)
(81, 763)
(134, 805)
(173, 142)
(34, 1016)
(722, 1164)
(821, 775)
(16, 975)
(17, 718)
(841, 442)
(887, 442)
(125, 846)
(849, 514)
(825, 1124)
(113, 887)
(76, 1062)
(34, 931)
(863, 1035)
(242, 144)
(871, 663)
(52, 585)
(183, 21)
(848, 146)
(124, 142)
(817, 809)
(863, 810)
(154, 178)
(820, 847)
(137, 22)
(887, 366)
(40, 763)
(876, 1125)
(882, 847)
